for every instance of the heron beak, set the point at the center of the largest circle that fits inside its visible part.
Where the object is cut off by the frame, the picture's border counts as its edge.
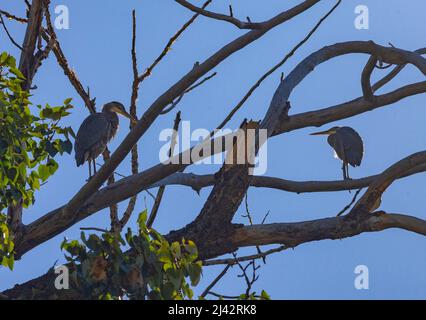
(321, 133)
(134, 120)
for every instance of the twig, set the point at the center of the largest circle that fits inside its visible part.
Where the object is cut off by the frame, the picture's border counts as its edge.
(217, 16)
(249, 280)
(63, 62)
(161, 190)
(94, 229)
(116, 173)
(8, 34)
(176, 102)
(215, 281)
(227, 297)
(133, 99)
(233, 261)
(248, 216)
(13, 17)
(169, 44)
(350, 204)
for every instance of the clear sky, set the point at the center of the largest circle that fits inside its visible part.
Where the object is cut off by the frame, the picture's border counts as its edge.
(98, 48)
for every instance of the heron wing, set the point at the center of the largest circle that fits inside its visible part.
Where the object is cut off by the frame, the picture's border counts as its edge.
(348, 145)
(92, 137)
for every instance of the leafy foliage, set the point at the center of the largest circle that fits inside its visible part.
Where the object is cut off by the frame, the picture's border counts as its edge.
(141, 266)
(28, 144)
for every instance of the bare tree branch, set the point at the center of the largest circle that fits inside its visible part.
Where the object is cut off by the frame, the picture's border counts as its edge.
(365, 78)
(8, 33)
(232, 261)
(290, 234)
(296, 233)
(222, 17)
(27, 66)
(169, 44)
(13, 17)
(161, 189)
(372, 198)
(215, 281)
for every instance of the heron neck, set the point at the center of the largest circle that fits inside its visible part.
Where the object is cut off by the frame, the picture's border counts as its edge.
(112, 117)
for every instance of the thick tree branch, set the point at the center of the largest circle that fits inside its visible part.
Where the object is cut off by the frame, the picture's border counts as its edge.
(289, 234)
(293, 234)
(348, 109)
(198, 182)
(32, 33)
(28, 66)
(366, 76)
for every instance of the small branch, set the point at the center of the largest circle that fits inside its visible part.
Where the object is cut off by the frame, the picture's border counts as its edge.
(169, 44)
(161, 190)
(133, 112)
(217, 16)
(350, 204)
(250, 219)
(215, 281)
(176, 102)
(218, 295)
(13, 17)
(233, 261)
(94, 229)
(49, 35)
(8, 33)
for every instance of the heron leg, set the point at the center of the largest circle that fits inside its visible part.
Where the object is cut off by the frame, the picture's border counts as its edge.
(347, 171)
(90, 169)
(344, 170)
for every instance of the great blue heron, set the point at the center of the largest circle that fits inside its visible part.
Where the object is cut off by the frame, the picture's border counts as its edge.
(96, 131)
(347, 144)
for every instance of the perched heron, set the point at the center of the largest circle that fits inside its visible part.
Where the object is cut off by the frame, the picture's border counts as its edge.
(347, 144)
(96, 132)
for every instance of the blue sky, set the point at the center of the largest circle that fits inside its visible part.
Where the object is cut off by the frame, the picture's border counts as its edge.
(98, 48)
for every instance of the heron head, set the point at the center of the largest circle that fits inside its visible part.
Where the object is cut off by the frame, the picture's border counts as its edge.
(326, 132)
(119, 108)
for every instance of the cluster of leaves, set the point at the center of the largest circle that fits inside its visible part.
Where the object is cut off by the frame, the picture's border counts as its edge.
(141, 266)
(28, 144)
(6, 244)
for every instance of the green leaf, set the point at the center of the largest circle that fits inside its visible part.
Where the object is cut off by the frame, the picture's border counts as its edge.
(194, 270)
(22, 168)
(67, 101)
(142, 219)
(264, 295)
(43, 172)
